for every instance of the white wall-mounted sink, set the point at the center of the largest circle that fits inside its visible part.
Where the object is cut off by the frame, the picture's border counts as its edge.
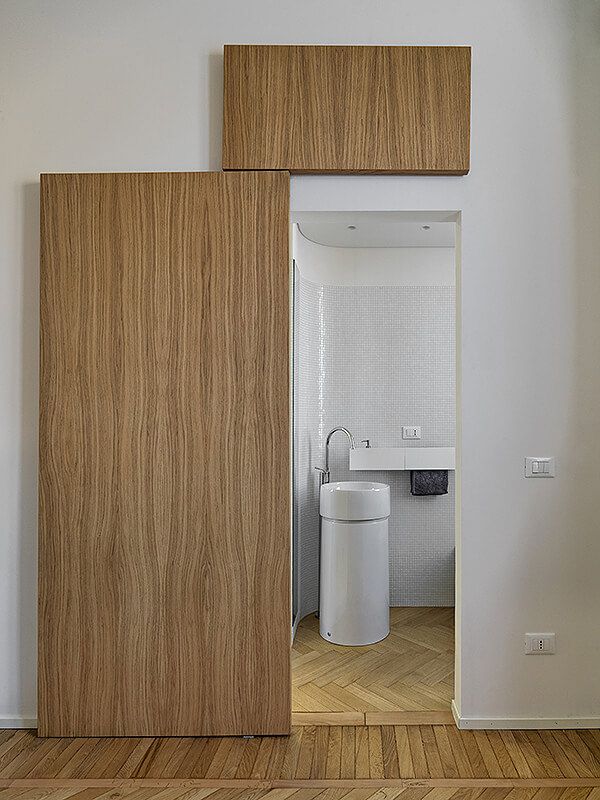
(355, 500)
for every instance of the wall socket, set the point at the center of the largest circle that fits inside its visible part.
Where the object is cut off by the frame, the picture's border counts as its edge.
(411, 431)
(540, 644)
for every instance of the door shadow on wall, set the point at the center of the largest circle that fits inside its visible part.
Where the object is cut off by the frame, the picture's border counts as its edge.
(27, 481)
(215, 108)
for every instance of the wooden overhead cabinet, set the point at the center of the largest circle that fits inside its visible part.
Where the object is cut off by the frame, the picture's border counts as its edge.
(347, 109)
(164, 564)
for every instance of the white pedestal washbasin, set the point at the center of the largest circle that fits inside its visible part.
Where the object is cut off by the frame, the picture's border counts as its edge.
(354, 598)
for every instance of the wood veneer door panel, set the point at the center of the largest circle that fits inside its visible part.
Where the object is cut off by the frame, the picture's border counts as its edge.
(164, 427)
(347, 108)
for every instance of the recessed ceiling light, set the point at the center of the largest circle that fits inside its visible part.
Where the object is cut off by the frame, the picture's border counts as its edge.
(426, 227)
(351, 227)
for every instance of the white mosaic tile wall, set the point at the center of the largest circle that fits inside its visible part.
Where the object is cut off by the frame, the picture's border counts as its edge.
(373, 359)
(307, 385)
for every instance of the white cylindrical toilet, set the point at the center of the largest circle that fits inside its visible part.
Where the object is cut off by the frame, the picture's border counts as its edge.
(354, 589)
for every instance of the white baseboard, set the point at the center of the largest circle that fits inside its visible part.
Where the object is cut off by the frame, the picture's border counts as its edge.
(18, 722)
(295, 626)
(516, 723)
(455, 713)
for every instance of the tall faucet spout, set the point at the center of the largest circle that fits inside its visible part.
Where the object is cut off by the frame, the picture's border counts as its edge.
(329, 435)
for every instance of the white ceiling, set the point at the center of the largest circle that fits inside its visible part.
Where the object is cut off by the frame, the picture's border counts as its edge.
(378, 233)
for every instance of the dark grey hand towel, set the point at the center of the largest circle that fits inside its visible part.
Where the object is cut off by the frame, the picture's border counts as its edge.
(428, 481)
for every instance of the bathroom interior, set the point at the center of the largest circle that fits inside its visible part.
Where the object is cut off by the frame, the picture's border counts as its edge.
(374, 396)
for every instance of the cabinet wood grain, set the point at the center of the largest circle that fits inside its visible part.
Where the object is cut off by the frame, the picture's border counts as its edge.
(164, 565)
(347, 108)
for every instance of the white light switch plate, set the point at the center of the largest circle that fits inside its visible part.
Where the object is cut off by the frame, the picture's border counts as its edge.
(411, 431)
(540, 467)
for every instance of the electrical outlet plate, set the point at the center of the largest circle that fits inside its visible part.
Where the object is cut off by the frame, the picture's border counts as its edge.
(540, 644)
(411, 431)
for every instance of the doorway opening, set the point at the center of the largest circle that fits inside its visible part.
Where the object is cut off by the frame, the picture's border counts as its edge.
(374, 353)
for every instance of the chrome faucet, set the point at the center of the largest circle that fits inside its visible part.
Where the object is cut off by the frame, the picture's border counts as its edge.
(325, 472)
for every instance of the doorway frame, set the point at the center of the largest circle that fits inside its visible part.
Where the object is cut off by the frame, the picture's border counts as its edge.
(298, 217)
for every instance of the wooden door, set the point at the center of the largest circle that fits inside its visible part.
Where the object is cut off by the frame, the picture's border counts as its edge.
(326, 108)
(164, 566)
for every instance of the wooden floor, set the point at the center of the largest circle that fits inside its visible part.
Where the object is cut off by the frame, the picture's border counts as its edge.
(371, 793)
(410, 762)
(411, 670)
(342, 762)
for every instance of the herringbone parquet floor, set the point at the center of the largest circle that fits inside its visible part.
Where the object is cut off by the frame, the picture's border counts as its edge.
(411, 670)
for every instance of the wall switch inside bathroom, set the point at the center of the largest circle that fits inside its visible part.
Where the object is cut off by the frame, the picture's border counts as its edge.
(540, 644)
(411, 431)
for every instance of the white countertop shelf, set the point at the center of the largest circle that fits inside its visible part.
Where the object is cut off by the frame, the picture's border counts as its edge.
(390, 458)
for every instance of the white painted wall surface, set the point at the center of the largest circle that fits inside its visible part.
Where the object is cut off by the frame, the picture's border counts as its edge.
(136, 85)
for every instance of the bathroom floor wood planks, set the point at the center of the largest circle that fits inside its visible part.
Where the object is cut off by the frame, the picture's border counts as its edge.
(412, 670)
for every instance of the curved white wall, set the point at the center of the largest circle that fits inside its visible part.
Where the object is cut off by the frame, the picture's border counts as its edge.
(137, 86)
(375, 266)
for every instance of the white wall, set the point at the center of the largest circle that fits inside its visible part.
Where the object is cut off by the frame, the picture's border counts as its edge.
(136, 85)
